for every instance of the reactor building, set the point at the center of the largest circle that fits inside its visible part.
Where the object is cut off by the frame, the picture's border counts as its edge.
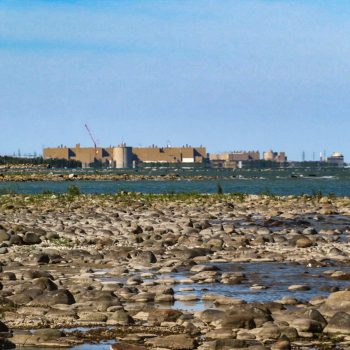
(123, 156)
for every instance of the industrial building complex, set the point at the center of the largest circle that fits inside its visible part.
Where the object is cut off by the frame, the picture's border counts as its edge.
(123, 156)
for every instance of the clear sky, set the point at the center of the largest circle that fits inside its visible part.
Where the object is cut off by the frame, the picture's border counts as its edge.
(231, 75)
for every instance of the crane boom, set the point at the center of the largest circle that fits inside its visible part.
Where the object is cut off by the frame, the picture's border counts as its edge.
(92, 138)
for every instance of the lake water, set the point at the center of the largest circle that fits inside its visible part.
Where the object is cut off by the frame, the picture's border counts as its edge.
(339, 186)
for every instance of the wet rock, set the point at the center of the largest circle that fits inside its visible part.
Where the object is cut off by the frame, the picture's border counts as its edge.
(298, 288)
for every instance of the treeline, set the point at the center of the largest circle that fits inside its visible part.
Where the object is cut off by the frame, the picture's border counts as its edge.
(54, 163)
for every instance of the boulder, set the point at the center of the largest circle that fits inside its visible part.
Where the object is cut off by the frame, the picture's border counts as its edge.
(339, 323)
(61, 296)
(31, 238)
(338, 301)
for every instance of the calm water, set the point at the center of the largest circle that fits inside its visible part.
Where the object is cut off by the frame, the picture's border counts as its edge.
(339, 186)
(276, 277)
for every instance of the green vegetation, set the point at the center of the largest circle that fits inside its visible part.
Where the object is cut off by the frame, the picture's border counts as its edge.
(54, 163)
(61, 242)
(73, 191)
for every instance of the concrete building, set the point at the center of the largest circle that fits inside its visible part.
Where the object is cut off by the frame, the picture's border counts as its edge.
(279, 157)
(233, 159)
(184, 154)
(336, 159)
(123, 156)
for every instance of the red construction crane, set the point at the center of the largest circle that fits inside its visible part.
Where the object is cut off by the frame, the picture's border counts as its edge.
(92, 138)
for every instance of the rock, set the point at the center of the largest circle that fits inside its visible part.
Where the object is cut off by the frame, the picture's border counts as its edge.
(3, 327)
(240, 320)
(175, 342)
(310, 231)
(307, 325)
(42, 259)
(44, 283)
(269, 332)
(61, 296)
(16, 240)
(211, 315)
(316, 316)
(9, 276)
(4, 236)
(228, 344)
(126, 346)
(92, 317)
(298, 288)
(31, 238)
(120, 317)
(338, 301)
(303, 242)
(339, 323)
(281, 345)
(4, 250)
(158, 316)
(48, 334)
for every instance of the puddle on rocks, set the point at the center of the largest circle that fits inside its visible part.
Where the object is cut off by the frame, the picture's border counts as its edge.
(275, 277)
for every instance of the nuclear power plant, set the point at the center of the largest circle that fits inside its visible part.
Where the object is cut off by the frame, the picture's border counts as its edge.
(123, 156)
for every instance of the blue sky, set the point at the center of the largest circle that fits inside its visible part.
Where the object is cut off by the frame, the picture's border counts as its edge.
(231, 75)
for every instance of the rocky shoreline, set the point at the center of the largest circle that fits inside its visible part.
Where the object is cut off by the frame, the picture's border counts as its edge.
(151, 270)
(27, 176)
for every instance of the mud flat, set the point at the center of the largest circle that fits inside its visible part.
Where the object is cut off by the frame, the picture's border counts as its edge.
(175, 271)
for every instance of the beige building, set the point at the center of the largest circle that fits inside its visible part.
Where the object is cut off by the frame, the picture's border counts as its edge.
(123, 156)
(233, 159)
(236, 156)
(279, 157)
